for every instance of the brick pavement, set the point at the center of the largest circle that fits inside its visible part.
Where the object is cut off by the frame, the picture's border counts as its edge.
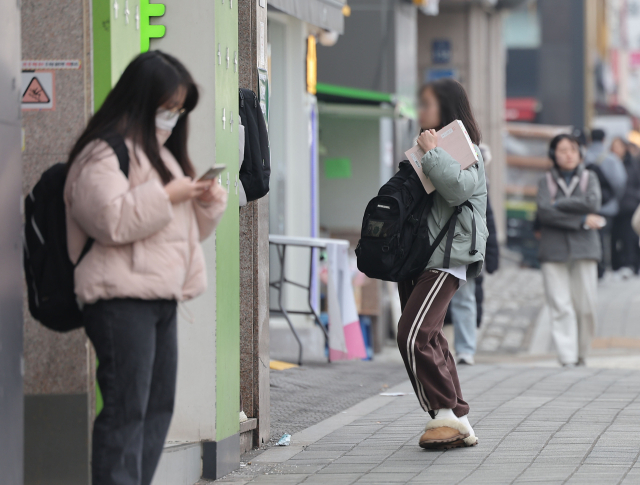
(514, 297)
(618, 309)
(516, 322)
(535, 425)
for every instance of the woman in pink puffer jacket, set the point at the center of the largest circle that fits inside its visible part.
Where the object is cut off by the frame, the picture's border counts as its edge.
(146, 256)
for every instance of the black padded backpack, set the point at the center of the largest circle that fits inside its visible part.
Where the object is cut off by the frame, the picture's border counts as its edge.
(256, 168)
(47, 267)
(394, 242)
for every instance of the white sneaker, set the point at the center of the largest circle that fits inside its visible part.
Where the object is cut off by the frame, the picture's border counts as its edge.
(625, 273)
(466, 359)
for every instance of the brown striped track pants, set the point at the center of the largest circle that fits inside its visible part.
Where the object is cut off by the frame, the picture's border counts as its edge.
(423, 346)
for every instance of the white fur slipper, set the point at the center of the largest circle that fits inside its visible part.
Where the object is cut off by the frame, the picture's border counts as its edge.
(449, 423)
(443, 434)
(472, 440)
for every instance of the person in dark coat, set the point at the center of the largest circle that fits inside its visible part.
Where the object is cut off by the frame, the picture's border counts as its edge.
(568, 202)
(612, 176)
(491, 259)
(625, 253)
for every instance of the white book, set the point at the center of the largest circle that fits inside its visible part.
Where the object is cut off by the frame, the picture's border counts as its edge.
(454, 140)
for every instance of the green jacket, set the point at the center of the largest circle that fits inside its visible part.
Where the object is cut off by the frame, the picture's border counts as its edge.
(454, 186)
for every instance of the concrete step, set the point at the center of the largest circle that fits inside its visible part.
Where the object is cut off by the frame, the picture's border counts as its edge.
(246, 434)
(180, 464)
(283, 344)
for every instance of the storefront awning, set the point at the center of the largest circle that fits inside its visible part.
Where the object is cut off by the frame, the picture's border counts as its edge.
(322, 13)
(362, 103)
(358, 111)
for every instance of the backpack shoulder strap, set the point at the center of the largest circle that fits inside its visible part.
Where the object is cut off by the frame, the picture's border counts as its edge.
(87, 247)
(552, 186)
(473, 250)
(116, 142)
(450, 228)
(584, 181)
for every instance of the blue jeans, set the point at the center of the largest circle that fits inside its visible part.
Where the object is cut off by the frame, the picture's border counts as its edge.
(464, 316)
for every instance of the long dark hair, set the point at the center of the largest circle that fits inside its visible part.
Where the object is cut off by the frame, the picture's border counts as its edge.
(148, 82)
(454, 105)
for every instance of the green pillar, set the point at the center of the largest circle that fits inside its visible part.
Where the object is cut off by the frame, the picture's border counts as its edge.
(225, 51)
(121, 31)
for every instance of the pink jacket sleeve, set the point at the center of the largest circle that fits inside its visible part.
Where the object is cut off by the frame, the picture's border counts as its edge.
(110, 211)
(208, 216)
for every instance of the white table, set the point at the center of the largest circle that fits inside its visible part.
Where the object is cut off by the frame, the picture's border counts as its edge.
(281, 243)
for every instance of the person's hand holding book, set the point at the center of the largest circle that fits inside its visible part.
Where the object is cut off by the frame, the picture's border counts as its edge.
(428, 140)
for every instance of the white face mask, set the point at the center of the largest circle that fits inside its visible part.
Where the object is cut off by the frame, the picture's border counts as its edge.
(166, 120)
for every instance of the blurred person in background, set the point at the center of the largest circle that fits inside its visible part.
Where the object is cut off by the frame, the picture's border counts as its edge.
(466, 305)
(568, 203)
(625, 256)
(492, 256)
(612, 176)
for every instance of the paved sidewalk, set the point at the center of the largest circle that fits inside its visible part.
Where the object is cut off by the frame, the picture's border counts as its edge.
(304, 396)
(535, 425)
(516, 321)
(514, 297)
(618, 312)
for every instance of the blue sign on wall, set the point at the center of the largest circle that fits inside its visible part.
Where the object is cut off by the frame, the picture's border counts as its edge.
(441, 51)
(440, 73)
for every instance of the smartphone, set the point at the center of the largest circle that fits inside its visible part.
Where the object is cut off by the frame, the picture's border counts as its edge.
(212, 173)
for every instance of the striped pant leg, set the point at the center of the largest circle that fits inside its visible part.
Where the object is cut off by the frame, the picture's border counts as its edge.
(424, 348)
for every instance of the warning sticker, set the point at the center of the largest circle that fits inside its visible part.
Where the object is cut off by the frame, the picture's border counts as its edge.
(52, 64)
(35, 93)
(38, 91)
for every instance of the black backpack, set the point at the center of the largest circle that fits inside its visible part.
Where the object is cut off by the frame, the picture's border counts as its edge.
(256, 168)
(394, 244)
(47, 267)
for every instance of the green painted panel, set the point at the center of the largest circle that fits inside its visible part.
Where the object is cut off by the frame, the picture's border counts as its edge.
(337, 168)
(116, 41)
(101, 51)
(227, 235)
(125, 35)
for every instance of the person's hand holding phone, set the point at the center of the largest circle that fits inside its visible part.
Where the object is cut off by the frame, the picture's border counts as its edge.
(428, 140)
(183, 189)
(215, 193)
